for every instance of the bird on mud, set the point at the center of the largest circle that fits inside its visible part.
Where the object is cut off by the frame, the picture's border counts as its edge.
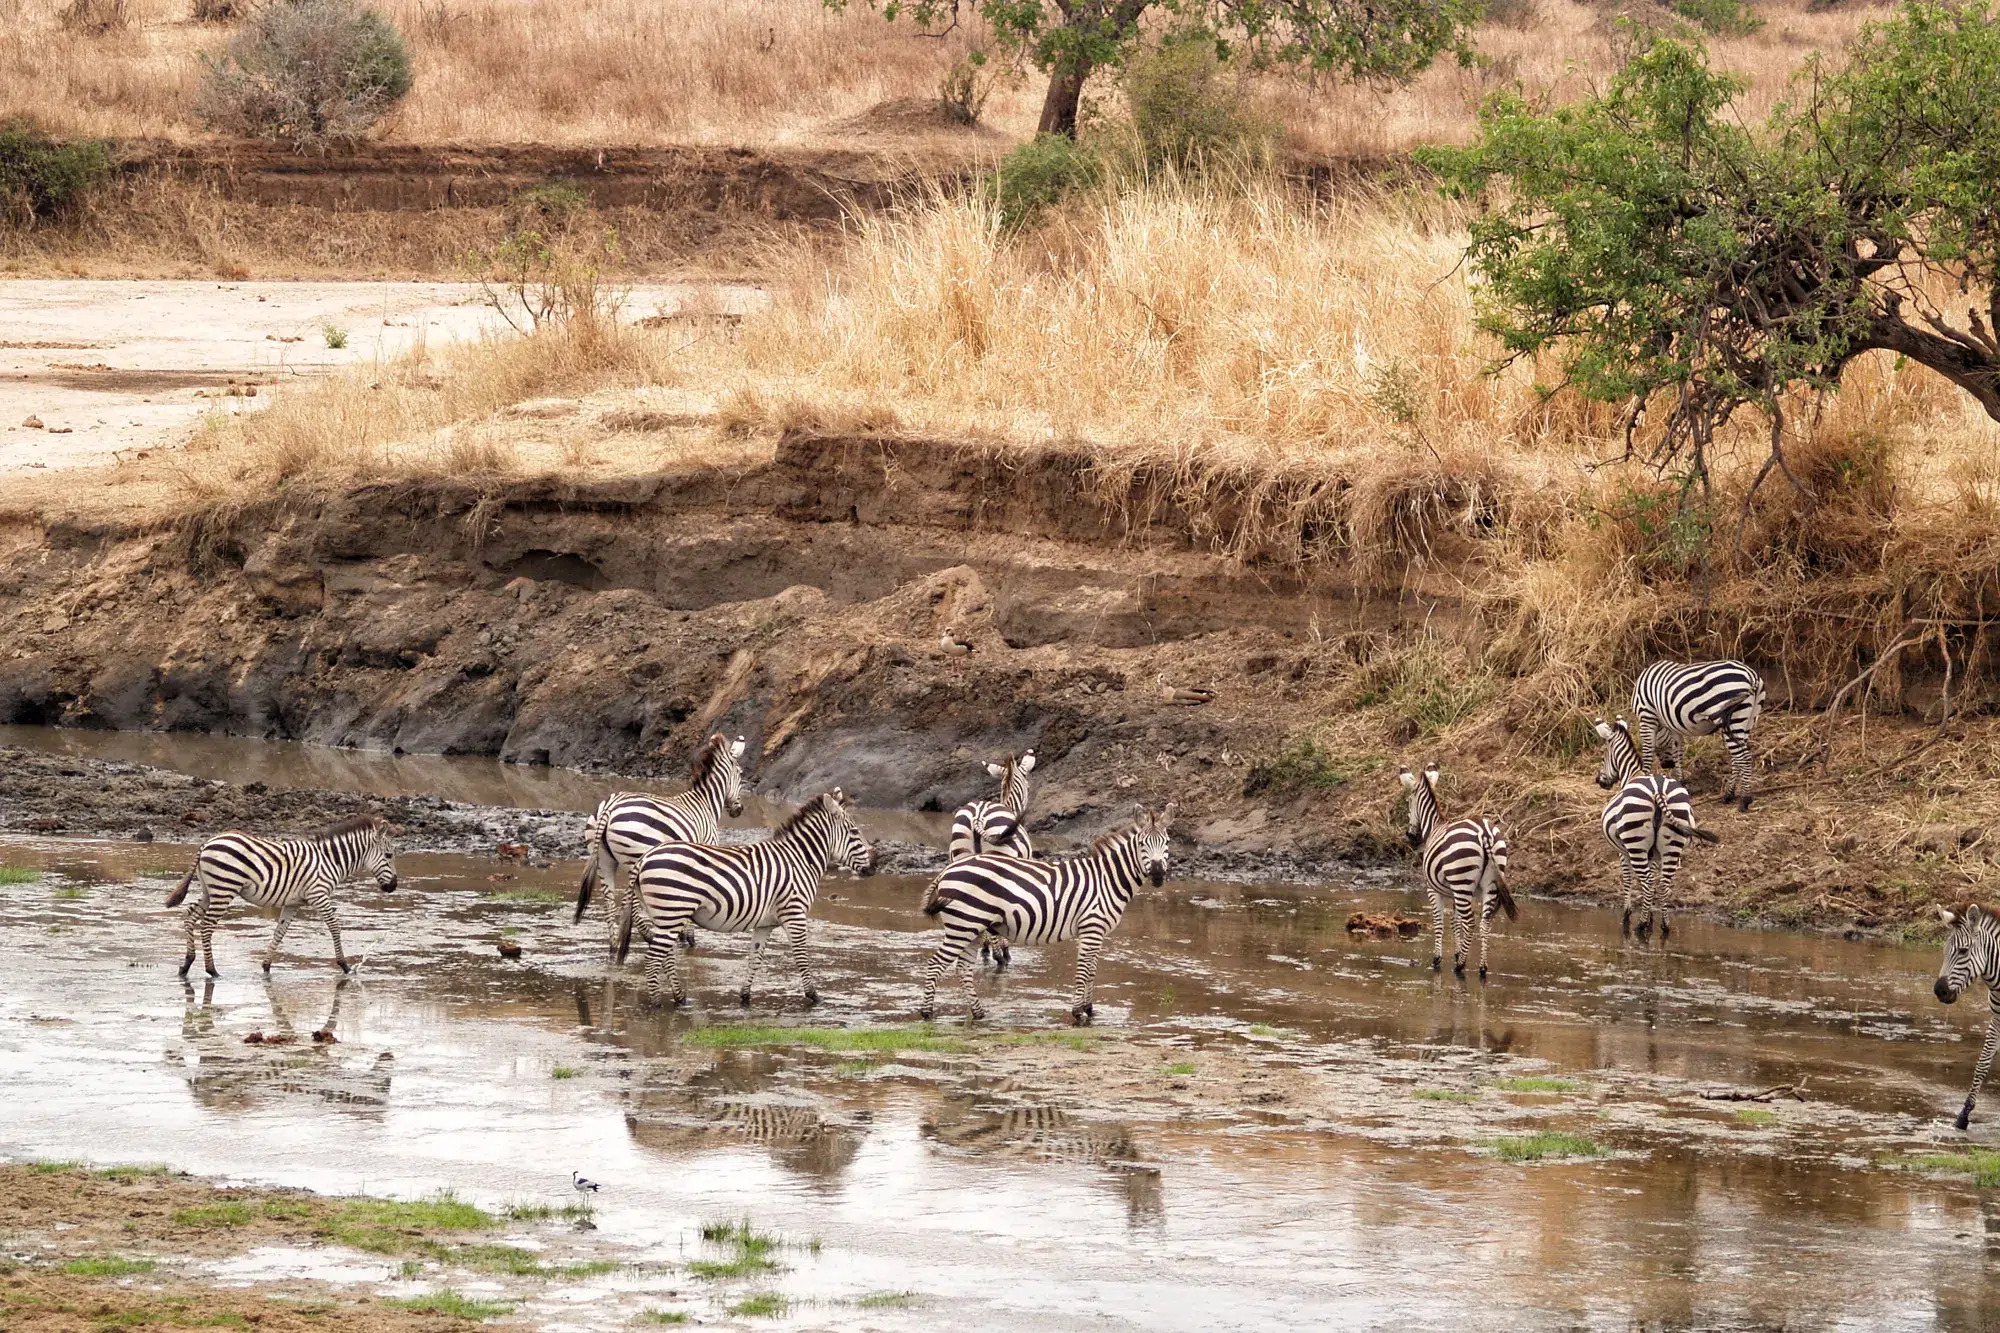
(1188, 696)
(952, 644)
(509, 950)
(582, 1185)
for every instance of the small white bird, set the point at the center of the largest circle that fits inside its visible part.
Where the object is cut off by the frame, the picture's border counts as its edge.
(951, 645)
(581, 1185)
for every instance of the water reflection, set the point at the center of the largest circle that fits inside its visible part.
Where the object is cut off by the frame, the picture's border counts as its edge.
(226, 1073)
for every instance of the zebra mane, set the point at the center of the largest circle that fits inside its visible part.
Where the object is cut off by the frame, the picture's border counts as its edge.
(1104, 841)
(351, 824)
(708, 757)
(803, 813)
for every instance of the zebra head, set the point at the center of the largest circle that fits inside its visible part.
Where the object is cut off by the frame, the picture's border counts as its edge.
(1150, 838)
(1423, 803)
(1970, 934)
(718, 767)
(1013, 777)
(1621, 755)
(848, 846)
(378, 854)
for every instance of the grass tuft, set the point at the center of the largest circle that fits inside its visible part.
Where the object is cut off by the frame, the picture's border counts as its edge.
(107, 1265)
(230, 1213)
(449, 1302)
(1544, 1144)
(752, 1252)
(19, 875)
(1757, 1115)
(1444, 1095)
(887, 1300)
(564, 1072)
(1538, 1083)
(664, 1317)
(762, 1305)
(1179, 1068)
(1982, 1164)
(924, 1038)
(133, 1172)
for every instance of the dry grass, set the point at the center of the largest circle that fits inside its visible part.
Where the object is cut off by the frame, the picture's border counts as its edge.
(766, 72)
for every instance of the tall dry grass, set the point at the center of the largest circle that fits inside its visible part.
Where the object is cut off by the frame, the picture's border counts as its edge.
(772, 72)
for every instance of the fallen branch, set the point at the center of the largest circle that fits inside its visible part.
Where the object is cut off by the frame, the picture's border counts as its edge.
(1796, 1091)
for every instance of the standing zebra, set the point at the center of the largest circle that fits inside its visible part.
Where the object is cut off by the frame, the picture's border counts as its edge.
(1465, 861)
(759, 887)
(999, 827)
(1040, 902)
(628, 824)
(1675, 700)
(1972, 953)
(282, 873)
(1648, 821)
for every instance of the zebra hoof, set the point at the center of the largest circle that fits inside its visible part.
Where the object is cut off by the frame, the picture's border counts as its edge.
(1964, 1115)
(1645, 929)
(1437, 963)
(1744, 805)
(1482, 971)
(1625, 925)
(975, 1013)
(1665, 930)
(985, 952)
(211, 972)
(267, 969)
(743, 997)
(926, 1013)
(1458, 967)
(687, 940)
(187, 963)
(812, 998)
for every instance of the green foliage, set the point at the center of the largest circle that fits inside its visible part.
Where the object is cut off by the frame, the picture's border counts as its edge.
(1546, 1143)
(549, 204)
(1670, 533)
(307, 72)
(1444, 1095)
(1538, 1083)
(132, 1172)
(564, 1072)
(1179, 1068)
(1757, 1116)
(336, 337)
(41, 179)
(1383, 41)
(886, 1300)
(1982, 1164)
(966, 86)
(1433, 687)
(449, 1302)
(750, 1257)
(53, 1168)
(923, 1038)
(1040, 174)
(762, 1305)
(388, 1226)
(1679, 258)
(1305, 765)
(1189, 114)
(1720, 18)
(107, 1265)
(663, 1316)
(230, 1213)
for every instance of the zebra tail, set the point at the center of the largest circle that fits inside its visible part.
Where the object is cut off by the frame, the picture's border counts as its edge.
(1692, 831)
(933, 900)
(1506, 900)
(583, 889)
(625, 931)
(179, 895)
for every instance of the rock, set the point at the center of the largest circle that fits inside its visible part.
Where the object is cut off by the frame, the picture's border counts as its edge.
(1384, 927)
(33, 422)
(143, 835)
(1944, 839)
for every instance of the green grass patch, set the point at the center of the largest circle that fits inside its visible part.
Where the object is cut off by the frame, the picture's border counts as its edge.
(1538, 1083)
(1752, 1115)
(663, 1316)
(1982, 1164)
(107, 1265)
(886, 1300)
(19, 875)
(70, 893)
(449, 1302)
(545, 1212)
(1266, 1030)
(752, 1252)
(915, 1038)
(509, 1259)
(53, 1168)
(132, 1172)
(1444, 1095)
(1068, 1038)
(1180, 1067)
(763, 1305)
(388, 1226)
(541, 897)
(564, 1071)
(1546, 1143)
(230, 1213)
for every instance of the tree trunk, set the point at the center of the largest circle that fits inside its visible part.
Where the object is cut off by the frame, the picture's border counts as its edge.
(1967, 366)
(1060, 106)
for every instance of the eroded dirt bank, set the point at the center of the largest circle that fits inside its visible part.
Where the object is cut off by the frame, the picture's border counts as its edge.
(799, 599)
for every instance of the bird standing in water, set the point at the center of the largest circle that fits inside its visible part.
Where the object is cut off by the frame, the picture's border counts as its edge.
(581, 1185)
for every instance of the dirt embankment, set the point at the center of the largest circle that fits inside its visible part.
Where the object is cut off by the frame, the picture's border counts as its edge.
(800, 599)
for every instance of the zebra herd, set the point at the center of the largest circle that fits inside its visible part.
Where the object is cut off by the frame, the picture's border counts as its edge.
(663, 870)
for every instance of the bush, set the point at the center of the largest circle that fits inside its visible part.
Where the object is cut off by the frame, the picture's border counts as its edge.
(1189, 112)
(307, 71)
(219, 11)
(94, 18)
(1041, 174)
(1520, 14)
(1720, 18)
(41, 178)
(965, 88)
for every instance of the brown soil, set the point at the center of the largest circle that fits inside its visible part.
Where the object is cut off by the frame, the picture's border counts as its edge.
(798, 598)
(65, 1217)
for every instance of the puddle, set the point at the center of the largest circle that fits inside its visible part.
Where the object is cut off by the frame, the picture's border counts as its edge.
(1240, 1144)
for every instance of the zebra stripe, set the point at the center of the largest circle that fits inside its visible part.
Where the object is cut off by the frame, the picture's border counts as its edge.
(757, 888)
(1972, 953)
(628, 824)
(1648, 822)
(1039, 902)
(1675, 700)
(1465, 861)
(997, 826)
(281, 873)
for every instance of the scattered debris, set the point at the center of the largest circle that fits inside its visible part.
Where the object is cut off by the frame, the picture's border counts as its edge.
(33, 422)
(1384, 927)
(1191, 696)
(509, 950)
(513, 851)
(1796, 1091)
(325, 1037)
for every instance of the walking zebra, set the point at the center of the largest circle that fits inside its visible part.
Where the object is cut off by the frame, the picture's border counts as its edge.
(997, 826)
(759, 888)
(282, 873)
(1648, 821)
(1972, 953)
(628, 824)
(1040, 902)
(1465, 861)
(1675, 700)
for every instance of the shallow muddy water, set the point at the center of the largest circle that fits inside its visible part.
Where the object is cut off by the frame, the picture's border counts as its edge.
(1240, 1142)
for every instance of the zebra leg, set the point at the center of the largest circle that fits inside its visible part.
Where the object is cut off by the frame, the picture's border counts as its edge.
(1671, 850)
(1486, 906)
(757, 938)
(208, 914)
(951, 951)
(320, 898)
(795, 935)
(278, 937)
(1625, 873)
(1736, 735)
(1649, 878)
(662, 968)
(613, 897)
(1985, 1066)
(190, 932)
(1437, 929)
(1649, 740)
(1461, 931)
(1089, 943)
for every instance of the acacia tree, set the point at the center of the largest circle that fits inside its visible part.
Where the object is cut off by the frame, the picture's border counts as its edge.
(1384, 40)
(1682, 263)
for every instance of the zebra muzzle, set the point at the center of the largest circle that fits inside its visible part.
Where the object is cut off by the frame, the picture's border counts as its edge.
(389, 884)
(1943, 990)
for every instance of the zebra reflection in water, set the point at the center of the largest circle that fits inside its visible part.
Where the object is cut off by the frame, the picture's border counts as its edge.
(225, 1074)
(1051, 1135)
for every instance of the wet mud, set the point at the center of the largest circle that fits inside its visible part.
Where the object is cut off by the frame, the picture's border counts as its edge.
(1273, 1124)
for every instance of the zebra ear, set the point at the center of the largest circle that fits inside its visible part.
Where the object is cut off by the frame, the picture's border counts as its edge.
(1167, 814)
(996, 771)
(1946, 915)
(1027, 761)
(1603, 729)
(737, 747)
(1409, 779)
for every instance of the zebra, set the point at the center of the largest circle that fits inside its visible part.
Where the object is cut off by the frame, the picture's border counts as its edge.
(997, 826)
(758, 888)
(628, 824)
(1465, 861)
(1675, 700)
(1041, 902)
(1648, 822)
(282, 873)
(1972, 953)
